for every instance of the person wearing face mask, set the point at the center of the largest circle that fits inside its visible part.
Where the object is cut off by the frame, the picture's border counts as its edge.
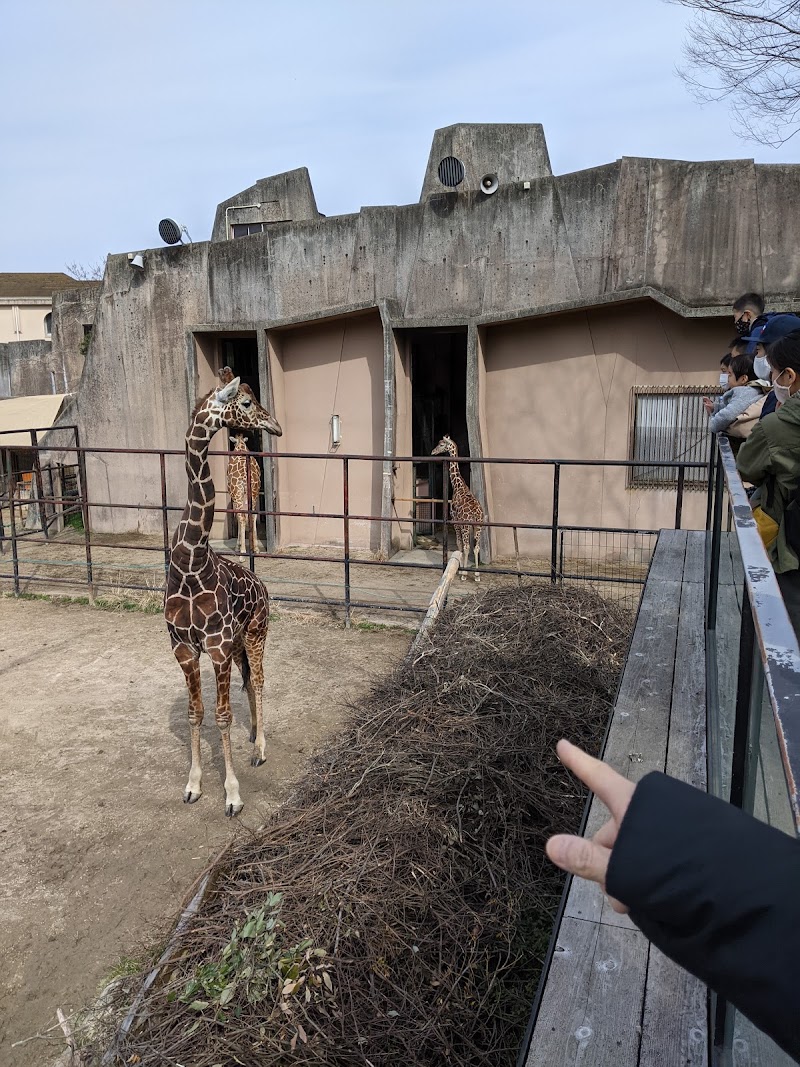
(776, 327)
(770, 459)
(737, 410)
(749, 315)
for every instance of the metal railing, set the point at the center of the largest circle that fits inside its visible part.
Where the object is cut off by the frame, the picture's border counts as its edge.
(557, 565)
(752, 693)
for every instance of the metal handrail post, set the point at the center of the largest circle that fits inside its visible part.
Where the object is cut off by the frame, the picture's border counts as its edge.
(554, 529)
(14, 554)
(445, 468)
(87, 536)
(716, 541)
(346, 520)
(679, 500)
(164, 513)
(251, 522)
(37, 467)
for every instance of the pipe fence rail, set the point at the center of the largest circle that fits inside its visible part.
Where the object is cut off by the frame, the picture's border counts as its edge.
(752, 695)
(559, 563)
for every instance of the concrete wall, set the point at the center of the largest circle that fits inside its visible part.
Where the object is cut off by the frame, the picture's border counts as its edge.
(284, 197)
(29, 368)
(689, 236)
(134, 389)
(318, 371)
(561, 388)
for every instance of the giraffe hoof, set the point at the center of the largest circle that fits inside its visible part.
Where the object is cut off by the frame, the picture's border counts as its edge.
(257, 761)
(191, 798)
(477, 577)
(233, 809)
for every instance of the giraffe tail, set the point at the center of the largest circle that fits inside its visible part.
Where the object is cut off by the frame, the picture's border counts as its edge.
(245, 668)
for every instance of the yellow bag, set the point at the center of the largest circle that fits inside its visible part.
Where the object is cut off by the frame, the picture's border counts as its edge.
(767, 527)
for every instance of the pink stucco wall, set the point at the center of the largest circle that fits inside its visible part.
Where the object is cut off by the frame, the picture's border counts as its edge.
(560, 387)
(318, 371)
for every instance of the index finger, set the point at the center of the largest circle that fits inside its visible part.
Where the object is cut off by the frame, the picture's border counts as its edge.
(614, 790)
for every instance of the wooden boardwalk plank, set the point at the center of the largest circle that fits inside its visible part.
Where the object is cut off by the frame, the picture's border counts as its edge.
(593, 994)
(658, 724)
(675, 1019)
(637, 736)
(694, 566)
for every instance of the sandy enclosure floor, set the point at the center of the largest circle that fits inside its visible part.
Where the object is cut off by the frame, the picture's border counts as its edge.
(97, 849)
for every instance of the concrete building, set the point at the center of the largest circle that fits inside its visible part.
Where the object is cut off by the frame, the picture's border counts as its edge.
(42, 350)
(26, 304)
(526, 313)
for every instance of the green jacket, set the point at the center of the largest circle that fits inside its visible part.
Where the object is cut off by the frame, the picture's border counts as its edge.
(770, 459)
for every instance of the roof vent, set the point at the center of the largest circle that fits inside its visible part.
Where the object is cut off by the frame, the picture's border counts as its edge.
(451, 172)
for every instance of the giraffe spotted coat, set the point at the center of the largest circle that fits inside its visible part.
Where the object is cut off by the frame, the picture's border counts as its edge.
(213, 604)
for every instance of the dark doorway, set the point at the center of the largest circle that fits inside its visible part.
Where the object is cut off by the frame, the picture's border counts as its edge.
(438, 407)
(241, 355)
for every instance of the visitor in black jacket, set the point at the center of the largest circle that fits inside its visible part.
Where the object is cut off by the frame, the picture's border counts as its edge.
(713, 888)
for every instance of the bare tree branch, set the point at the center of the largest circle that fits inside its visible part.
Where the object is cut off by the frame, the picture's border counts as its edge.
(748, 53)
(86, 272)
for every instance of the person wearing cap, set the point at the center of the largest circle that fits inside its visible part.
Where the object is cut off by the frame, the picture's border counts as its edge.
(770, 459)
(777, 326)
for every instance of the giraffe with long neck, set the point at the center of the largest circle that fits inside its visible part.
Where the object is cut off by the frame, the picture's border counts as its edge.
(465, 509)
(243, 490)
(213, 604)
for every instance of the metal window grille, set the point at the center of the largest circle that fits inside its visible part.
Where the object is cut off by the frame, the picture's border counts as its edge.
(669, 424)
(244, 229)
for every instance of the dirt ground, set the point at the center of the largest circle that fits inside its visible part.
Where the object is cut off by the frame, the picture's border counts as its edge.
(97, 849)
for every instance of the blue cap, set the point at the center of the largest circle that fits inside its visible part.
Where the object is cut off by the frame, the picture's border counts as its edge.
(777, 327)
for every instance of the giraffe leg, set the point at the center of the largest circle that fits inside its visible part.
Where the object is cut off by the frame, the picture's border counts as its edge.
(254, 647)
(476, 548)
(462, 538)
(190, 664)
(223, 660)
(241, 521)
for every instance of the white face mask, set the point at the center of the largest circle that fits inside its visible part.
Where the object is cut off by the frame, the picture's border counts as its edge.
(782, 393)
(723, 380)
(761, 367)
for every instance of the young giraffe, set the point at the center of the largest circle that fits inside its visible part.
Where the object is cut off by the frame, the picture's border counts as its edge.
(237, 490)
(464, 508)
(213, 604)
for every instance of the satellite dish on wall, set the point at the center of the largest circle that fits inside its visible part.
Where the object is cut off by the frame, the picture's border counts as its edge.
(171, 232)
(489, 184)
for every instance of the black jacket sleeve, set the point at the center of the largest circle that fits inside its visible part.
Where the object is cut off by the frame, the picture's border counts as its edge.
(719, 893)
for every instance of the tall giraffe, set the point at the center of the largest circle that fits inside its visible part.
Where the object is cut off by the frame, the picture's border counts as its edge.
(213, 604)
(464, 508)
(241, 502)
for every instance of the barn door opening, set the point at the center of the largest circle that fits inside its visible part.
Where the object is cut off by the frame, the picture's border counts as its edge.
(240, 353)
(438, 407)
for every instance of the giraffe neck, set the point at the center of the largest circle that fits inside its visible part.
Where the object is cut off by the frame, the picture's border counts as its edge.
(194, 529)
(456, 480)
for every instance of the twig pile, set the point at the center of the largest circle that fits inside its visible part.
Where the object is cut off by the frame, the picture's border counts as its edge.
(411, 853)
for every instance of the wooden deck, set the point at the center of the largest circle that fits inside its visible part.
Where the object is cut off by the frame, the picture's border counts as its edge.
(611, 999)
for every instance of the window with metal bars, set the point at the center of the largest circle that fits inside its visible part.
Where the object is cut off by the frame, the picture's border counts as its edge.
(669, 424)
(244, 229)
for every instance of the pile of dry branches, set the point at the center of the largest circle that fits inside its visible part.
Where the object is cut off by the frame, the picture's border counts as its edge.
(397, 908)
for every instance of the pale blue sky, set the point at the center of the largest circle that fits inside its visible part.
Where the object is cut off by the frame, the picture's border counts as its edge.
(116, 114)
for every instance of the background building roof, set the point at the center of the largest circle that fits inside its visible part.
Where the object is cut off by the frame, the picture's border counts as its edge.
(38, 284)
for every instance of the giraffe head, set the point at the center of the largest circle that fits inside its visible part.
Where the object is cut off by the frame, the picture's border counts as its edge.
(238, 442)
(447, 444)
(234, 405)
